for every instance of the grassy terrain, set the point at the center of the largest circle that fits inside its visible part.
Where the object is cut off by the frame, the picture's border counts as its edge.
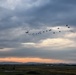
(37, 70)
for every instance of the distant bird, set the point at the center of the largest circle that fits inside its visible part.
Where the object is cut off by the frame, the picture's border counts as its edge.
(59, 31)
(58, 28)
(43, 31)
(39, 33)
(53, 32)
(50, 30)
(27, 32)
(46, 30)
(66, 25)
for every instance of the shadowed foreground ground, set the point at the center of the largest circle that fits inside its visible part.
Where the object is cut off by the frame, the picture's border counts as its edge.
(42, 69)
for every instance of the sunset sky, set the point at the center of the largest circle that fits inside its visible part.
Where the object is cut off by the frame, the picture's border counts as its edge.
(20, 16)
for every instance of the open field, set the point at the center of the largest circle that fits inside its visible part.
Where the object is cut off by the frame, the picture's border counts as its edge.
(42, 69)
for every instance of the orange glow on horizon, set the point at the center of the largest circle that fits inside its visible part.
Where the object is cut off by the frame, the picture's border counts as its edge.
(25, 60)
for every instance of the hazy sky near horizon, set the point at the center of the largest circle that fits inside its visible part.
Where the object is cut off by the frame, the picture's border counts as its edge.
(19, 16)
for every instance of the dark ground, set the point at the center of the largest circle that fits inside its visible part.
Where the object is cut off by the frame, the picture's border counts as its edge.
(38, 69)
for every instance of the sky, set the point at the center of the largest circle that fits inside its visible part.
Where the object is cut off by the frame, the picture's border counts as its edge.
(19, 16)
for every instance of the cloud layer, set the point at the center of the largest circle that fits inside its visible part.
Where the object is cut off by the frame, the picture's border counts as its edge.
(18, 16)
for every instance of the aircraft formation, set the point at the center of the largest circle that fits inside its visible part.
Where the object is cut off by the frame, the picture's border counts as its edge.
(49, 30)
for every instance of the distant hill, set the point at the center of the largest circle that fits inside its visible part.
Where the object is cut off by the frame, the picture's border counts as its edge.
(35, 63)
(10, 63)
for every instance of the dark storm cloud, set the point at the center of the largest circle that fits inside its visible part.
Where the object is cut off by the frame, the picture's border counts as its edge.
(55, 13)
(51, 13)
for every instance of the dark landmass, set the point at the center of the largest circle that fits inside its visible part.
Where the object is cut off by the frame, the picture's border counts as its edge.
(14, 68)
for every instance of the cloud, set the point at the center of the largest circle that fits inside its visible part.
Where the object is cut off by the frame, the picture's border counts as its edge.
(67, 55)
(5, 49)
(23, 60)
(12, 5)
(18, 16)
(58, 43)
(33, 13)
(70, 35)
(9, 4)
